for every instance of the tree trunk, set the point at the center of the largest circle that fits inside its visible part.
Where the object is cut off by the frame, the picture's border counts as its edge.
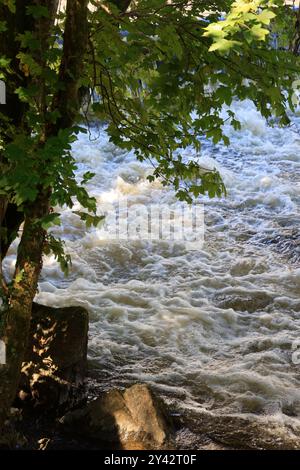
(15, 319)
(14, 109)
(71, 69)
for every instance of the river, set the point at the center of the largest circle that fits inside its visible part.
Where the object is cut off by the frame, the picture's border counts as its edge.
(211, 329)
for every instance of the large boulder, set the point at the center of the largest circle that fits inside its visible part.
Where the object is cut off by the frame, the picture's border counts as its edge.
(54, 367)
(131, 419)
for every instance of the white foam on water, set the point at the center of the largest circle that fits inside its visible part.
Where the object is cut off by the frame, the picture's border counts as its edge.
(213, 328)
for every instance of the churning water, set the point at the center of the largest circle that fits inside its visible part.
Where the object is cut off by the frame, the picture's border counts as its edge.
(212, 330)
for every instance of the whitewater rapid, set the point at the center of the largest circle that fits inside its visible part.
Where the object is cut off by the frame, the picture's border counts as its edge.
(212, 330)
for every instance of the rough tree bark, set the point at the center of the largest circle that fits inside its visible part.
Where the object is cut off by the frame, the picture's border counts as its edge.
(15, 319)
(14, 109)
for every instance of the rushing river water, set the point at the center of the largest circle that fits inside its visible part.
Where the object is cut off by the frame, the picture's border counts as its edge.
(211, 330)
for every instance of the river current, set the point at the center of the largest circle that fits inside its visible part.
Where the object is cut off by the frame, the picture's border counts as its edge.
(214, 330)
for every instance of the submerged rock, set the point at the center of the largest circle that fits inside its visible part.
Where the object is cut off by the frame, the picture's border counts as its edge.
(286, 243)
(244, 303)
(54, 367)
(134, 419)
(249, 432)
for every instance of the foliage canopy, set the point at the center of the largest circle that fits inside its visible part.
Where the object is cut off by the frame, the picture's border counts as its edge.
(163, 70)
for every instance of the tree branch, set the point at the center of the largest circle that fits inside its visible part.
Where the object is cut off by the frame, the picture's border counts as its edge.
(66, 100)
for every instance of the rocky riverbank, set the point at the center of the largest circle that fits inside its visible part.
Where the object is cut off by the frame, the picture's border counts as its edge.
(59, 407)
